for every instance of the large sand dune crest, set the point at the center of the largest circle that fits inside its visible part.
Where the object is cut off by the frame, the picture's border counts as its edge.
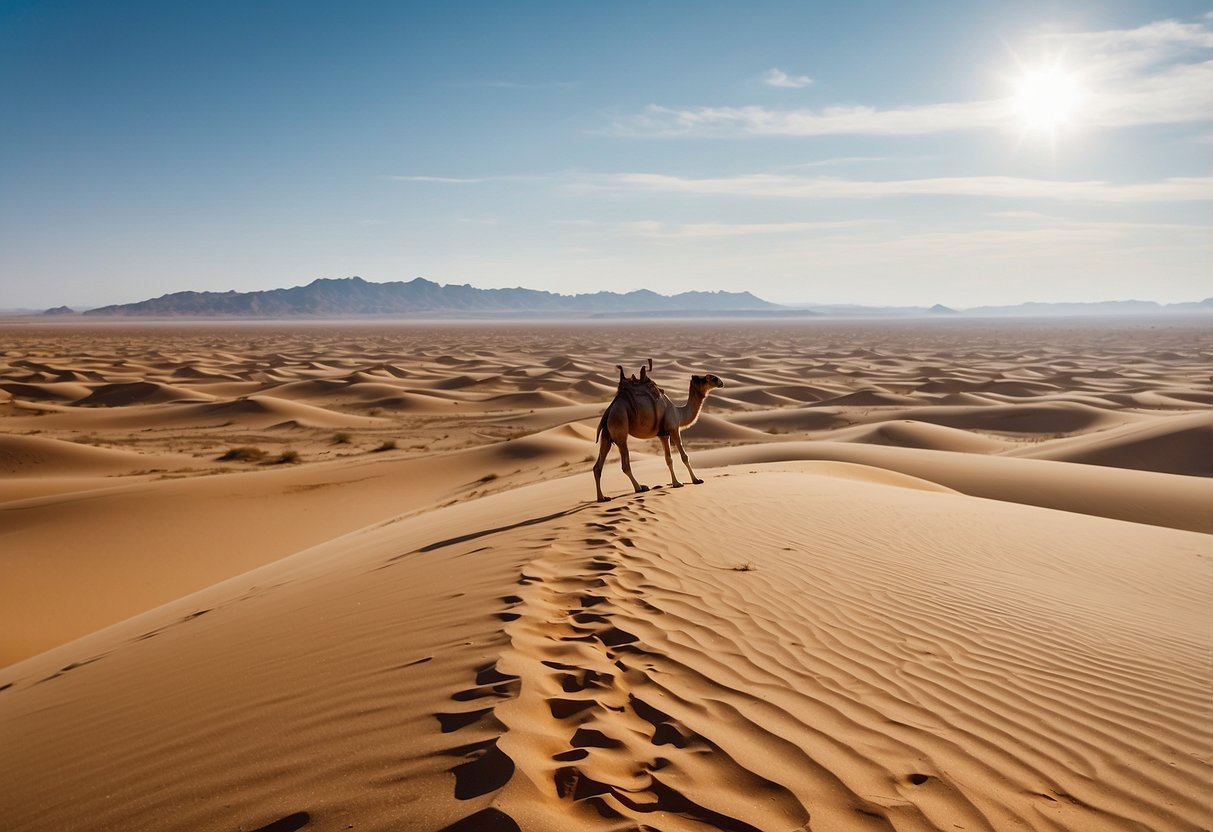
(680, 659)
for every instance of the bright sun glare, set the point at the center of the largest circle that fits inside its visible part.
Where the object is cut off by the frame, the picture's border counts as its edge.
(1047, 98)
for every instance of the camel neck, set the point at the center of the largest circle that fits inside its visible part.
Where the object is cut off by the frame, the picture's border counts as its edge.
(690, 411)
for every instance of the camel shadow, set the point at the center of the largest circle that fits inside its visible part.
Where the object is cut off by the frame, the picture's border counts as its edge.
(532, 521)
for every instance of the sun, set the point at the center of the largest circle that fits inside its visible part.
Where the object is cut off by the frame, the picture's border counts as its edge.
(1047, 99)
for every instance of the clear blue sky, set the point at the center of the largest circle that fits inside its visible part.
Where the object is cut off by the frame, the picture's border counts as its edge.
(881, 153)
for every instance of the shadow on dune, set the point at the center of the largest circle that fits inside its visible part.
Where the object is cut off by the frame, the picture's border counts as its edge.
(451, 541)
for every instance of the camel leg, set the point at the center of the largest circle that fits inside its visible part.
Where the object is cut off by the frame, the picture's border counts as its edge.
(665, 444)
(685, 461)
(604, 448)
(625, 462)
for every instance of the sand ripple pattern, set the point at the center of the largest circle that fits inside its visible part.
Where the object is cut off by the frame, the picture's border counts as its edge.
(646, 685)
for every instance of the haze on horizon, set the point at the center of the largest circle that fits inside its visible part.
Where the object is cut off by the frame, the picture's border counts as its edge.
(871, 153)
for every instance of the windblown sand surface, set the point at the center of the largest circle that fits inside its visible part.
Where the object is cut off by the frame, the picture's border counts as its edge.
(945, 575)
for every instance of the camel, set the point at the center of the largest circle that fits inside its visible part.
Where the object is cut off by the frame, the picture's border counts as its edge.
(642, 409)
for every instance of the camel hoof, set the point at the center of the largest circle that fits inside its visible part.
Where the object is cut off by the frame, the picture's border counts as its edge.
(697, 481)
(675, 485)
(642, 489)
(604, 499)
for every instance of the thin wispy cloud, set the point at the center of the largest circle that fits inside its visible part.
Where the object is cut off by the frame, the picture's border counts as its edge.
(1056, 221)
(779, 78)
(1175, 189)
(655, 230)
(754, 120)
(840, 160)
(1161, 73)
(1015, 241)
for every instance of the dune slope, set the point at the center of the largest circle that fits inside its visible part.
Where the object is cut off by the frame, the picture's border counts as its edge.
(802, 646)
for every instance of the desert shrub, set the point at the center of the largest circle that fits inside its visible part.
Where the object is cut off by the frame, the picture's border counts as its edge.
(388, 445)
(341, 438)
(288, 457)
(243, 454)
(488, 478)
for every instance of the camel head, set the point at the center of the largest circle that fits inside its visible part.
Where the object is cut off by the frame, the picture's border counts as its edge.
(706, 384)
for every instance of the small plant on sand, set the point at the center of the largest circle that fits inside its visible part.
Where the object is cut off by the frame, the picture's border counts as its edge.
(375, 411)
(243, 454)
(744, 567)
(341, 438)
(487, 478)
(388, 445)
(287, 457)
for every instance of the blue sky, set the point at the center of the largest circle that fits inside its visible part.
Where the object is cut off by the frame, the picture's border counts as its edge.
(880, 153)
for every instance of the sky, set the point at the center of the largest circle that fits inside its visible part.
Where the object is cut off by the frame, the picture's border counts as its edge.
(879, 153)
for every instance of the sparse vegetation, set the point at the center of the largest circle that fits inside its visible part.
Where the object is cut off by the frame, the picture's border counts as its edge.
(388, 445)
(341, 438)
(288, 457)
(375, 411)
(245, 453)
(744, 567)
(487, 478)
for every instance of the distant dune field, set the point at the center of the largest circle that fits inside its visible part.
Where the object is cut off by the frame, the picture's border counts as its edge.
(941, 575)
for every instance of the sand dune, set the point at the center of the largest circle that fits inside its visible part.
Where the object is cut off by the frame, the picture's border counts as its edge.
(33, 456)
(1026, 418)
(941, 575)
(197, 531)
(120, 395)
(519, 401)
(1179, 445)
(1137, 496)
(793, 420)
(911, 434)
(63, 391)
(262, 411)
(643, 663)
(870, 398)
(314, 388)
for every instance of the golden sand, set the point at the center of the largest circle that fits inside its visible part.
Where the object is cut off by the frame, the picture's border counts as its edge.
(941, 575)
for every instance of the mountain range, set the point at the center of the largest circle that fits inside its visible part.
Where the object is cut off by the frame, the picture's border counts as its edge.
(353, 297)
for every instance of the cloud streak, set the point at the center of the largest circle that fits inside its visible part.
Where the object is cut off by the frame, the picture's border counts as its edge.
(654, 230)
(753, 120)
(1176, 189)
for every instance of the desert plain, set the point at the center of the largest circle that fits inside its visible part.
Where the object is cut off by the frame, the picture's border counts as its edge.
(941, 575)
